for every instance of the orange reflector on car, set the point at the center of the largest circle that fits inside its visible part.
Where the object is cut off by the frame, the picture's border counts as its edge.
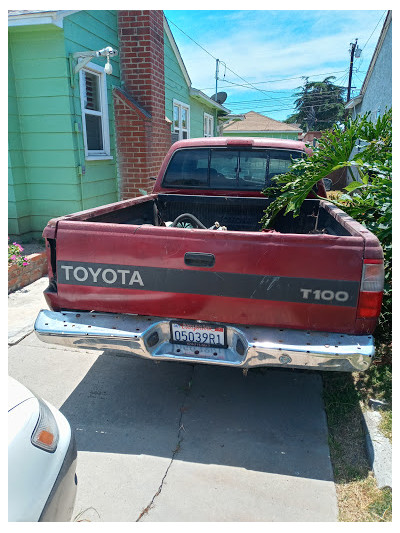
(46, 437)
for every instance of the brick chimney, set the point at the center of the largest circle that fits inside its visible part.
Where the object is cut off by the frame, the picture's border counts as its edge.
(143, 135)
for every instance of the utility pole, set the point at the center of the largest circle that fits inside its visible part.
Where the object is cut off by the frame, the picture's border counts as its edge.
(352, 50)
(216, 78)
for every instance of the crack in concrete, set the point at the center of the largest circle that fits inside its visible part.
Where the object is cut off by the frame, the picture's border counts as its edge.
(175, 452)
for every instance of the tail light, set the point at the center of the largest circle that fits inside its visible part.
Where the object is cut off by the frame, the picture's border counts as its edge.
(239, 142)
(371, 290)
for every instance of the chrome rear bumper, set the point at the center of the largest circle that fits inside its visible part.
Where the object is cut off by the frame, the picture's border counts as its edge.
(247, 346)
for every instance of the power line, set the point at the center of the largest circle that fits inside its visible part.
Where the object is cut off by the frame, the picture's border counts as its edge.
(226, 66)
(257, 102)
(314, 95)
(253, 105)
(283, 98)
(283, 79)
(265, 91)
(363, 48)
(289, 108)
(359, 79)
(249, 84)
(188, 36)
(365, 45)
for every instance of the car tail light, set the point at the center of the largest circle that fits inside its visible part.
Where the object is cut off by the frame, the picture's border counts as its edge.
(371, 290)
(45, 434)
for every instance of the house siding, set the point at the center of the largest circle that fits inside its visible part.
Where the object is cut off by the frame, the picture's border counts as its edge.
(377, 96)
(45, 150)
(378, 93)
(175, 83)
(177, 88)
(40, 74)
(49, 175)
(94, 30)
(197, 111)
(18, 203)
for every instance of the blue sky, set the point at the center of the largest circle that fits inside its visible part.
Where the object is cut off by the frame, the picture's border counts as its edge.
(267, 48)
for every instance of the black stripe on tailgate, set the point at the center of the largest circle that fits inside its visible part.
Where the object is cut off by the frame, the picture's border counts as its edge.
(279, 288)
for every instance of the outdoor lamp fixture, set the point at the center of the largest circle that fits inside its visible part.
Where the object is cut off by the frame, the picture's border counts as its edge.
(84, 58)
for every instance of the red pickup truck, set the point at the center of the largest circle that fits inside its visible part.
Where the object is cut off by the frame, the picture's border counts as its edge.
(188, 274)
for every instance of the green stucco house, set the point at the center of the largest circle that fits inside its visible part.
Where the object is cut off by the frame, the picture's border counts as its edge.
(79, 135)
(193, 113)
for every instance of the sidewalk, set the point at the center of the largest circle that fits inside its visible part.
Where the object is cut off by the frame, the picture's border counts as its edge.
(23, 307)
(200, 442)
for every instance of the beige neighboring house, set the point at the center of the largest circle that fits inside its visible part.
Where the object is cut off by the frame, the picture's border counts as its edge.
(257, 125)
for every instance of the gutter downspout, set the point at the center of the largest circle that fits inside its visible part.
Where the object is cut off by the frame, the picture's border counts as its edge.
(77, 129)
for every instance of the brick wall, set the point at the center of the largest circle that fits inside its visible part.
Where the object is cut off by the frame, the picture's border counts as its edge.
(19, 277)
(143, 135)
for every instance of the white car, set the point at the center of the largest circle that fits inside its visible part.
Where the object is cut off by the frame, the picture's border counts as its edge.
(41, 459)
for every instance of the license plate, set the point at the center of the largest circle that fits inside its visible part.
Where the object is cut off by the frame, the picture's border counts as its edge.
(198, 335)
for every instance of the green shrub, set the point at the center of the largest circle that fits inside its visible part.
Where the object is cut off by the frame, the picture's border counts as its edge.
(368, 199)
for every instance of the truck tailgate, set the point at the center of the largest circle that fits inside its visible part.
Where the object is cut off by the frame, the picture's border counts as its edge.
(254, 278)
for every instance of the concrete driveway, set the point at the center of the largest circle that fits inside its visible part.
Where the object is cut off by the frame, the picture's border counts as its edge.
(161, 442)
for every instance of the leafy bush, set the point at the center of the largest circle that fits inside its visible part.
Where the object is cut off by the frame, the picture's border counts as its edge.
(15, 256)
(369, 197)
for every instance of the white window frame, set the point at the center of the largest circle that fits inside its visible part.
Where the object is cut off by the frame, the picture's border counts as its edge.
(209, 121)
(180, 130)
(99, 71)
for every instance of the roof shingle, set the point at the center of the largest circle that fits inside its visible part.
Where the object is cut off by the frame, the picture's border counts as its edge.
(256, 122)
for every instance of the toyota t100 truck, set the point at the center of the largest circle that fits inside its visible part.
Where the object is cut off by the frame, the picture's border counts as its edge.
(187, 273)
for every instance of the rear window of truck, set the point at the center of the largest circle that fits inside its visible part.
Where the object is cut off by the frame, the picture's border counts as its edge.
(227, 169)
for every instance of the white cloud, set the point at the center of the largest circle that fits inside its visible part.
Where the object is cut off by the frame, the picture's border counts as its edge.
(254, 46)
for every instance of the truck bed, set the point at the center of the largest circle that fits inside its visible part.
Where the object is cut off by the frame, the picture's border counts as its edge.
(303, 275)
(235, 213)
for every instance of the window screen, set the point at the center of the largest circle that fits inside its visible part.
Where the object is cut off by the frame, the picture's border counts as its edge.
(92, 97)
(93, 89)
